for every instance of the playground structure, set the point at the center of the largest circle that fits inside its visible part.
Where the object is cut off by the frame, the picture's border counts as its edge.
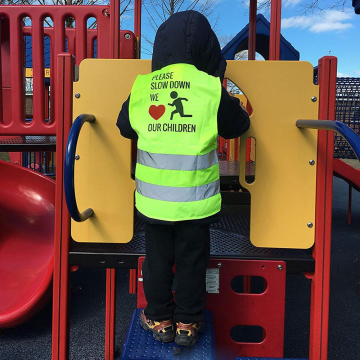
(20, 133)
(235, 262)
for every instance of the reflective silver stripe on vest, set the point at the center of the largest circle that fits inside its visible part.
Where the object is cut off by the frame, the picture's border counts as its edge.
(177, 162)
(177, 194)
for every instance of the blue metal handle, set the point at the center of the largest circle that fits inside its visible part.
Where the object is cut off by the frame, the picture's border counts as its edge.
(69, 169)
(337, 126)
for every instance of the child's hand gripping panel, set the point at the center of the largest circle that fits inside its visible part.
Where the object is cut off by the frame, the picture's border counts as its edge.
(103, 172)
(284, 190)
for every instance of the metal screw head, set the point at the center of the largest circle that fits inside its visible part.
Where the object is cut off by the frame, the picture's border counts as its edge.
(77, 95)
(107, 12)
(280, 267)
(219, 264)
(77, 157)
(314, 99)
(312, 162)
(310, 224)
(127, 36)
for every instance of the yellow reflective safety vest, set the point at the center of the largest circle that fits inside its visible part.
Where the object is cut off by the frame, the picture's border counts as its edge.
(174, 112)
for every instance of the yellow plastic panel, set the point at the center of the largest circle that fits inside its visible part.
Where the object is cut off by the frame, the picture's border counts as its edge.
(103, 173)
(283, 193)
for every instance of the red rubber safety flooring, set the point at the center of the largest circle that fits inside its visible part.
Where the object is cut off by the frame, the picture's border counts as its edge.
(26, 242)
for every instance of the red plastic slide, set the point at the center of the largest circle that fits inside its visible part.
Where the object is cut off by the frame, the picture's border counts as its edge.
(26, 242)
(347, 173)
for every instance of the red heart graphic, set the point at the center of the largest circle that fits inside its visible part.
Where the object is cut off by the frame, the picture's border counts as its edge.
(156, 112)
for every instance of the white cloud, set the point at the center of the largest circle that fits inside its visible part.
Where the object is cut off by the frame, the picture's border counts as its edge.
(292, 3)
(329, 20)
(259, 2)
(339, 74)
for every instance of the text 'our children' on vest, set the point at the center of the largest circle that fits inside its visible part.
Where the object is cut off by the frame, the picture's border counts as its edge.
(172, 127)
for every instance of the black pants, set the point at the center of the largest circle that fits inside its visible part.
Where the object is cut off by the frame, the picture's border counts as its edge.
(187, 245)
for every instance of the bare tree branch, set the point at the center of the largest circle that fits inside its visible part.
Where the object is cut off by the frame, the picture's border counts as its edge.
(159, 11)
(309, 6)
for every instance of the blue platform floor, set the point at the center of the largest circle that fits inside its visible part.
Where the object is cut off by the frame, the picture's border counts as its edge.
(32, 340)
(252, 358)
(140, 344)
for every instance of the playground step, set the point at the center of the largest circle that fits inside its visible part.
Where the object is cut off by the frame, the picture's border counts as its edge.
(228, 239)
(140, 344)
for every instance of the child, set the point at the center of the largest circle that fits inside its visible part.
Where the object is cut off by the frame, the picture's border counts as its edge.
(177, 171)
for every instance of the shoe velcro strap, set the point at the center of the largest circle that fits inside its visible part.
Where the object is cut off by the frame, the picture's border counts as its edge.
(190, 328)
(164, 325)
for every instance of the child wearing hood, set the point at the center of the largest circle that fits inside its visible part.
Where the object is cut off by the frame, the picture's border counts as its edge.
(176, 113)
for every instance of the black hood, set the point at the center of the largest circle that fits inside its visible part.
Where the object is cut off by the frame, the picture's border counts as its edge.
(187, 37)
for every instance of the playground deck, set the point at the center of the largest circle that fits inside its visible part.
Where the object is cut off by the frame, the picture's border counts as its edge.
(352, 162)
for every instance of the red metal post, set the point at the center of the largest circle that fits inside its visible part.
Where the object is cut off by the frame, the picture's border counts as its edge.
(57, 45)
(5, 73)
(275, 30)
(47, 99)
(222, 148)
(320, 285)
(236, 152)
(17, 73)
(137, 24)
(248, 149)
(38, 70)
(110, 314)
(80, 38)
(252, 30)
(251, 56)
(111, 273)
(115, 28)
(60, 326)
(132, 281)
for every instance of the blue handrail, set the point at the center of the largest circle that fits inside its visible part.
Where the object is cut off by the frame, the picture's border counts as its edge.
(337, 126)
(69, 169)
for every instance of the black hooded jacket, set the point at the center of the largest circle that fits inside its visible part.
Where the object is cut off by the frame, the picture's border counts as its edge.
(187, 37)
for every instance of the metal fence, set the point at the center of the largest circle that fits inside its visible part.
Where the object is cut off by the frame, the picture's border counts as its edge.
(348, 112)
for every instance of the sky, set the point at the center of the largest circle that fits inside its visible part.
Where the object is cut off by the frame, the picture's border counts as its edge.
(314, 34)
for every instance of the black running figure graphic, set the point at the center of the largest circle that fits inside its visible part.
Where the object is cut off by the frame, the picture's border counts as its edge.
(178, 104)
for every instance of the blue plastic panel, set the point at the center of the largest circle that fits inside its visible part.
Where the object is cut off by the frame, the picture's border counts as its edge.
(240, 42)
(140, 344)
